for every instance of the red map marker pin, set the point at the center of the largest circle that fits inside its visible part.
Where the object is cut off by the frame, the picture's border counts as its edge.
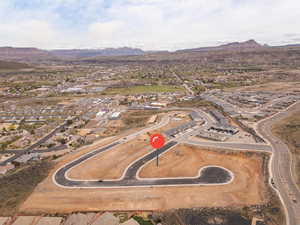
(157, 140)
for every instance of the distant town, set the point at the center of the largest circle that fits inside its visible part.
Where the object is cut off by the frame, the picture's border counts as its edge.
(75, 128)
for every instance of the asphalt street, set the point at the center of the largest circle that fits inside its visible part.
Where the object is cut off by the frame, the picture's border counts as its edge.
(209, 175)
(212, 175)
(281, 167)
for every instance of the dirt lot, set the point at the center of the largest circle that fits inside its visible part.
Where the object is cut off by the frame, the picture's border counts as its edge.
(100, 167)
(186, 160)
(48, 198)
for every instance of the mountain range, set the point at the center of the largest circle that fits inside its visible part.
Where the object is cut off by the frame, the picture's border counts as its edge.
(39, 55)
(85, 53)
(247, 45)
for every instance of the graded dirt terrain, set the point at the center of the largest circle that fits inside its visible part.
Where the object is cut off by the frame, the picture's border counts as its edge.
(118, 158)
(49, 198)
(186, 160)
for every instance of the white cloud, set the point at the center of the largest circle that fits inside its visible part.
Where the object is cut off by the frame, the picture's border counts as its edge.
(104, 30)
(28, 33)
(151, 24)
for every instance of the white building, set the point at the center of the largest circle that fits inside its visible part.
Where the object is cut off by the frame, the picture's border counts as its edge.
(115, 115)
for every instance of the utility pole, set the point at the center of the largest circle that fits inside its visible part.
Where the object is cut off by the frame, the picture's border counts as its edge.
(157, 141)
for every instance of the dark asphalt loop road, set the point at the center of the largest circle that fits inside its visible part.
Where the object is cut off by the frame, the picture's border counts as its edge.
(209, 175)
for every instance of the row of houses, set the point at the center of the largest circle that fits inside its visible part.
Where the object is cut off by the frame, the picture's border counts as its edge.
(211, 135)
(222, 125)
(174, 131)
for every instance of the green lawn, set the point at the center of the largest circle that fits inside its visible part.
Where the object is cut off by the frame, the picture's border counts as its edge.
(143, 89)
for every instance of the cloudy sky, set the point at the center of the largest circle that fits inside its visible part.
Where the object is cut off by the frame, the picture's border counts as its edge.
(147, 24)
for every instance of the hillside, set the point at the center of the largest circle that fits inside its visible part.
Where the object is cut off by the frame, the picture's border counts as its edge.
(259, 53)
(85, 53)
(4, 65)
(24, 54)
(247, 45)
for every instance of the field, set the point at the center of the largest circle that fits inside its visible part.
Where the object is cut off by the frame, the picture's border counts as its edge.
(289, 131)
(143, 89)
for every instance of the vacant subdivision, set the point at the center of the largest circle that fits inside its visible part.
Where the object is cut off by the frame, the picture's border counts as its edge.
(182, 160)
(111, 164)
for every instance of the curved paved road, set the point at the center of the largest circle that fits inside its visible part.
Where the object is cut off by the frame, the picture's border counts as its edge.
(281, 167)
(209, 175)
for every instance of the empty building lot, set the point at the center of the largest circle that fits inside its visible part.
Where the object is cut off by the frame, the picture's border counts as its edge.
(247, 169)
(118, 158)
(111, 164)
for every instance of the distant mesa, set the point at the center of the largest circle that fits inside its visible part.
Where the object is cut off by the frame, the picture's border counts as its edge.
(85, 53)
(23, 54)
(36, 55)
(250, 44)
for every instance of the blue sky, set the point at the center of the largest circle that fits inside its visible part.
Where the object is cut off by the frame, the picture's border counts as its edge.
(147, 24)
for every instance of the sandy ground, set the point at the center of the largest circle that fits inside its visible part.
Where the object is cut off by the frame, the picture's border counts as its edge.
(115, 124)
(186, 160)
(49, 198)
(83, 132)
(7, 125)
(100, 166)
